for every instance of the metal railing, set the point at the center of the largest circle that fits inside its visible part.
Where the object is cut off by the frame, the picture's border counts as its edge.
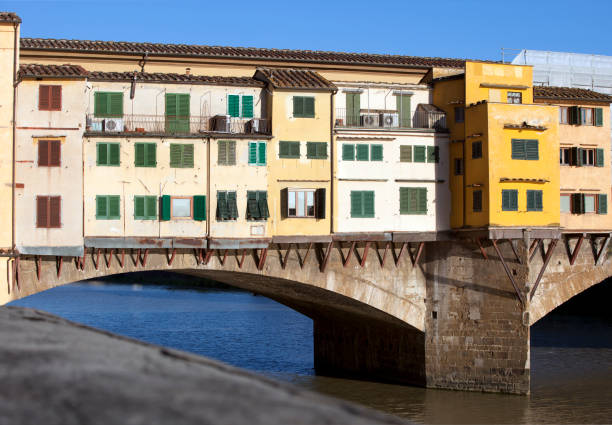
(390, 119)
(161, 124)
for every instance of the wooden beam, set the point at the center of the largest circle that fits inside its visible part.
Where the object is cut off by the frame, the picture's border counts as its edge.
(383, 260)
(326, 256)
(513, 246)
(418, 254)
(399, 256)
(551, 248)
(137, 262)
(533, 249)
(241, 261)
(508, 272)
(171, 258)
(306, 255)
(345, 261)
(574, 254)
(365, 254)
(601, 255)
(38, 267)
(284, 258)
(482, 250)
(144, 260)
(122, 262)
(110, 258)
(206, 258)
(59, 261)
(222, 260)
(16, 273)
(262, 259)
(97, 260)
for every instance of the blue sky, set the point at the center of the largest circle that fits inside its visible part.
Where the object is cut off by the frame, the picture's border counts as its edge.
(444, 28)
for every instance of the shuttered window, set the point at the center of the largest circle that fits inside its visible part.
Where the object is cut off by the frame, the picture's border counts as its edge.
(107, 154)
(226, 152)
(303, 107)
(376, 153)
(316, 150)
(525, 149)
(183, 207)
(49, 98)
(599, 158)
(181, 155)
(233, 105)
(602, 204)
(534, 200)
(226, 206)
(419, 153)
(348, 152)
(177, 112)
(458, 166)
(433, 154)
(510, 200)
(145, 154)
(598, 117)
(353, 109)
(362, 203)
(476, 150)
(257, 205)
(413, 200)
(363, 152)
(108, 104)
(199, 207)
(247, 106)
(145, 207)
(301, 203)
(49, 153)
(288, 149)
(405, 153)
(257, 153)
(107, 207)
(48, 211)
(477, 201)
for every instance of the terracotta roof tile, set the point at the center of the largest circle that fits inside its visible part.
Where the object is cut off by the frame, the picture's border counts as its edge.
(174, 78)
(156, 49)
(63, 71)
(9, 17)
(569, 93)
(290, 78)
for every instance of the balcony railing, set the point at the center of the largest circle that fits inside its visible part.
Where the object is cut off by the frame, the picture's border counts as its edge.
(390, 119)
(191, 125)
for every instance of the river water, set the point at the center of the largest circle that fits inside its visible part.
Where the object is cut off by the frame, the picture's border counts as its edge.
(571, 354)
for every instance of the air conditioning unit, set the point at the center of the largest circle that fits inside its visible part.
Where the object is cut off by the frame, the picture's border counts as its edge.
(370, 120)
(389, 120)
(256, 125)
(95, 126)
(222, 123)
(112, 125)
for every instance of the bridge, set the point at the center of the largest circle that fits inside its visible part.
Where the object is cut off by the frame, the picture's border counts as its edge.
(453, 311)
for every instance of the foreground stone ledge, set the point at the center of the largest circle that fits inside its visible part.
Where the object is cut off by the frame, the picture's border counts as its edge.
(53, 371)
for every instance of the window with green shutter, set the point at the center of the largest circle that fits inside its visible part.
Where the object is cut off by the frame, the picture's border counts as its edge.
(303, 107)
(534, 200)
(199, 207)
(602, 204)
(376, 152)
(419, 153)
(362, 204)
(226, 152)
(145, 154)
(402, 103)
(598, 117)
(181, 155)
(226, 205)
(353, 109)
(433, 154)
(477, 201)
(413, 200)
(363, 152)
(177, 113)
(145, 207)
(599, 157)
(509, 200)
(257, 153)
(107, 154)
(405, 153)
(247, 106)
(108, 104)
(108, 207)
(316, 150)
(257, 205)
(525, 149)
(233, 105)
(288, 149)
(348, 152)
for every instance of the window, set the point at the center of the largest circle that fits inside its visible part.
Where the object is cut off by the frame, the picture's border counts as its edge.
(419, 153)
(235, 108)
(405, 153)
(376, 152)
(565, 156)
(581, 203)
(257, 153)
(476, 150)
(247, 106)
(226, 152)
(226, 206)
(49, 153)
(459, 114)
(177, 112)
(303, 107)
(107, 207)
(353, 109)
(300, 203)
(289, 149)
(433, 154)
(362, 203)
(257, 205)
(586, 116)
(181, 155)
(145, 207)
(509, 200)
(413, 200)
(107, 154)
(589, 203)
(477, 201)
(534, 200)
(363, 152)
(182, 207)
(525, 149)
(48, 211)
(563, 115)
(348, 152)
(458, 166)
(565, 203)
(515, 97)
(316, 150)
(145, 154)
(602, 204)
(108, 104)
(49, 98)
(587, 157)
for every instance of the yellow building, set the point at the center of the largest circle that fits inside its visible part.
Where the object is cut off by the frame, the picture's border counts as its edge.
(504, 170)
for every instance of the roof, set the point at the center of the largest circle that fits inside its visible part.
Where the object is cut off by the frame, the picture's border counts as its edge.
(9, 17)
(427, 107)
(158, 49)
(158, 77)
(569, 93)
(61, 71)
(289, 78)
(449, 77)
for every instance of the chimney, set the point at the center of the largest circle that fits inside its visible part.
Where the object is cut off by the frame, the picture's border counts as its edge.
(187, 71)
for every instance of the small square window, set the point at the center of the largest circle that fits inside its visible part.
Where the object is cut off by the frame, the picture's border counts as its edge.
(476, 150)
(181, 207)
(459, 114)
(564, 156)
(515, 97)
(565, 203)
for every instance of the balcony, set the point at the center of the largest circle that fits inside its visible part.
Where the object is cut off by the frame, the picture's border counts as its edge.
(389, 119)
(166, 125)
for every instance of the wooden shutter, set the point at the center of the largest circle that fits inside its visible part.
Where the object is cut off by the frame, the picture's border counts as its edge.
(602, 204)
(598, 117)
(309, 107)
(139, 154)
(283, 149)
(188, 156)
(165, 207)
(44, 98)
(580, 157)
(116, 104)
(505, 200)
(518, 149)
(353, 108)
(150, 154)
(150, 207)
(222, 152)
(222, 210)
(55, 149)
(114, 203)
(171, 105)
(404, 200)
(43, 153)
(42, 212)
(432, 154)
(252, 152)
(252, 207)
(422, 200)
(574, 160)
(311, 150)
(539, 204)
(261, 160)
(531, 150)
(284, 203)
(102, 156)
(100, 104)
(233, 105)
(176, 159)
(139, 207)
(56, 98)
(294, 149)
(513, 200)
(362, 152)
(322, 150)
(376, 152)
(348, 152)
(199, 208)
(356, 204)
(405, 153)
(231, 152)
(419, 154)
(368, 203)
(413, 200)
(113, 154)
(264, 212)
(530, 200)
(247, 106)
(55, 212)
(574, 115)
(231, 205)
(320, 203)
(101, 207)
(599, 157)
(403, 108)
(298, 106)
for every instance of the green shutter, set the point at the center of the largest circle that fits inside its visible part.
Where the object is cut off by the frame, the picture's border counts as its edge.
(419, 154)
(231, 152)
(102, 154)
(114, 203)
(413, 200)
(252, 206)
(262, 201)
(316, 150)
(298, 106)
(531, 150)
(177, 113)
(261, 150)
(403, 108)
(100, 104)
(199, 208)
(150, 154)
(376, 152)
(247, 106)
(139, 207)
(539, 205)
(598, 117)
(348, 152)
(101, 207)
(116, 104)
(422, 200)
(150, 207)
(368, 203)
(303, 107)
(353, 109)
(233, 105)
(363, 152)
(514, 200)
(322, 150)
(518, 149)
(188, 156)
(531, 200)
(165, 209)
(432, 154)
(309, 107)
(405, 153)
(171, 105)
(356, 204)
(294, 149)
(231, 205)
(289, 149)
(253, 153)
(175, 155)
(602, 204)
(404, 193)
(222, 210)
(580, 161)
(311, 150)
(283, 149)
(509, 200)
(139, 154)
(599, 157)
(113, 154)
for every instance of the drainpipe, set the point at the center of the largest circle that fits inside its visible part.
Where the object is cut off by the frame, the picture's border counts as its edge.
(332, 146)
(464, 183)
(15, 82)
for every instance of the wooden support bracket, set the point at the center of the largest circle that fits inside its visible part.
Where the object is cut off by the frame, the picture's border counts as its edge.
(482, 250)
(110, 259)
(59, 261)
(382, 260)
(122, 262)
(345, 260)
(306, 255)
(16, 273)
(533, 249)
(171, 257)
(601, 255)
(419, 251)
(262, 258)
(206, 258)
(137, 261)
(222, 259)
(97, 260)
(399, 256)
(80, 262)
(241, 261)
(326, 256)
(549, 252)
(574, 255)
(364, 257)
(513, 246)
(283, 259)
(144, 259)
(38, 267)
(519, 294)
